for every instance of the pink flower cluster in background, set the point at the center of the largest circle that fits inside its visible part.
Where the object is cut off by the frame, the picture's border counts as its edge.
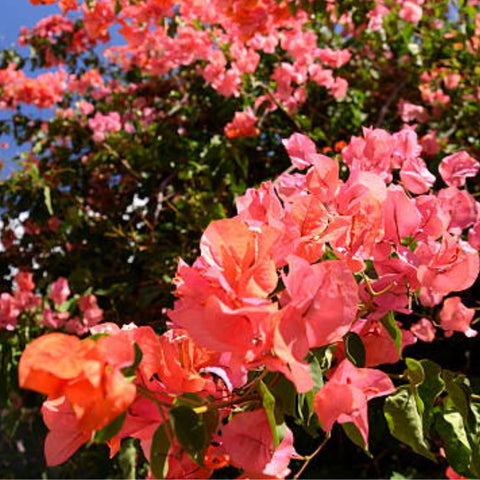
(54, 316)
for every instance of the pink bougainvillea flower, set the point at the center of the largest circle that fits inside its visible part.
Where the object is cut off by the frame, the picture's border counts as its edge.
(379, 346)
(24, 281)
(453, 475)
(360, 225)
(452, 80)
(59, 291)
(474, 235)
(390, 291)
(180, 465)
(248, 439)
(455, 168)
(89, 307)
(10, 309)
(415, 176)
(301, 150)
(401, 215)
(371, 153)
(339, 88)
(410, 112)
(456, 317)
(406, 146)
(423, 330)
(290, 345)
(102, 125)
(411, 11)
(242, 255)
(334, 58)
(326, 296)
(460, 206)
(261, 206)
(323, 178)
(344, 397)
(449, 266)
(223, 298)
(242, 125)
(434, 221)
(54, 320)
(64, 437)
(430, 143)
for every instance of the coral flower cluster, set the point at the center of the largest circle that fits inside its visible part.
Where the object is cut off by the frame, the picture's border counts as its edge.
(346, 245)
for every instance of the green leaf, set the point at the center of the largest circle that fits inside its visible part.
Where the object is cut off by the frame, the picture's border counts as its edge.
(398, 476)
(355, 436)
(451, 428)
(325, 356)
(354, 349)
(268, 402)
(285, 396)
(305, 400)
(388, 321)
(190, 431)
(109, 431)
(405, 422)
(48, 199)
(415, 372)
(474, 438)
(433, 384)
(316, 371)
(127, 459)
(131, 370)
(430, 389)
(159, 452)
(210, 420)
(458, 389)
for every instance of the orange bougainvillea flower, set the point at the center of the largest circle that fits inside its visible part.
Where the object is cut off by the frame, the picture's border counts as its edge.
(49, 362)
(87, 372)
(42, 2)
(180, 359)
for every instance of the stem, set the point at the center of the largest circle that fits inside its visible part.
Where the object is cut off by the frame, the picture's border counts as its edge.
(227, 403)
(475, 320)
(309, 458)
(145, 392)
(251, 386)
(290, 169)
(271, 95)
(372, 291)
(386, 105)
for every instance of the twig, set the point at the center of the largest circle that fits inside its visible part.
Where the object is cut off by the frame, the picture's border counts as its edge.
(309, 458)
(380, 292)
(216, 406)
(281, 107)
(386, 105)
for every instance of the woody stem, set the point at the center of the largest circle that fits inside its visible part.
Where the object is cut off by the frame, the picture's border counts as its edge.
(309, 458)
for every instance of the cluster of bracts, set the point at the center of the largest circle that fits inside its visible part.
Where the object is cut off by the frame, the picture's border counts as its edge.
(357, 243)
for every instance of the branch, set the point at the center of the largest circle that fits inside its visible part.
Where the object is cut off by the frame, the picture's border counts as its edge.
(309, 458)
(386, 105)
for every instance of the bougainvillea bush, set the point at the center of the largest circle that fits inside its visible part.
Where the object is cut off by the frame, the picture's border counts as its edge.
(244, 243)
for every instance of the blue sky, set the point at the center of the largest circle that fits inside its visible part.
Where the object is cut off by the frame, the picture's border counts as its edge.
(19, 13)
(16, 14)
